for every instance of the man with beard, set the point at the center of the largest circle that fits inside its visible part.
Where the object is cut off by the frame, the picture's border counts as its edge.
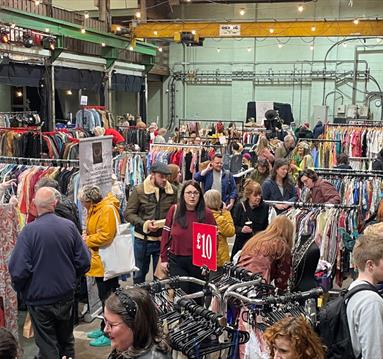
(147, 208)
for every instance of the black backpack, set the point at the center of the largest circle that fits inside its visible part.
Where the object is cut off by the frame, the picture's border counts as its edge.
(333, 326)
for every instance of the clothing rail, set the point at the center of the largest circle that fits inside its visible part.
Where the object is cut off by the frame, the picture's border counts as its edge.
(342, 170)
(174, 145)
(18, 113)
(210, 121)
(316, 140)
(312, 205)
(354, 125)
(6, 159)
(349, 173)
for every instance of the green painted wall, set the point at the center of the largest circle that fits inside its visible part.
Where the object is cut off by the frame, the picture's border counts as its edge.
(124, 102)
(229, 101)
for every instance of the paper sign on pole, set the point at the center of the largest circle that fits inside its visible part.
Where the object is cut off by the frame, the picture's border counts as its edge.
(84, 100)
(205, 245)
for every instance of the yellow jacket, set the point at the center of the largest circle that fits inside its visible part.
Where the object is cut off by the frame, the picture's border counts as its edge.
(225, 228)
(101, 230)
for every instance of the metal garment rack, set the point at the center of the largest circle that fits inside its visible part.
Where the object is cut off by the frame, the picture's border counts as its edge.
(312, 205)
(316, 140)
(211, 121)
(37, 161)
(349, 173)
(368, 124)
(352, 171)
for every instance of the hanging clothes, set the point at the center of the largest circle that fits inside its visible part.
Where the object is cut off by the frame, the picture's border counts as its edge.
(8, 297)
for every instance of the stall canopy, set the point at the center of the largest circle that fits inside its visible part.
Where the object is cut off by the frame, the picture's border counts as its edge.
(75, 79)
(15, 74)
(126, 83)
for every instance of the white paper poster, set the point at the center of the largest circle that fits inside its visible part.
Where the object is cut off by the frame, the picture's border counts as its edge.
(96, 162)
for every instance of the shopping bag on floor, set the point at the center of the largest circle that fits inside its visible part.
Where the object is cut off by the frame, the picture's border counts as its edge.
(27, 327)
(118, 257)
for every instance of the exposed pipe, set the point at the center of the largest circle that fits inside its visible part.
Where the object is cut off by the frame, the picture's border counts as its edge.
(334, 92)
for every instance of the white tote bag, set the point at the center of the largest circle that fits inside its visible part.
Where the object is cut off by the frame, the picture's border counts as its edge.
(118, 257)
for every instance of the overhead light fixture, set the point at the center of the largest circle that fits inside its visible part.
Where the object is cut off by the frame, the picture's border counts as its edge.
(193, 32)
(47, 29)
(138, 14)
(4, 33)
(312, 47)
(19, 93)
(188, 0)
(160, 49)
(155, 33)
(218, 49)
(103, 44)
(37, 2)
(280, 46)
(69, 92)
(344, 44)
(131, 48)
(378, 40)
(300, 8)
(83, 31)
(356, 21)
(118, 29)
(86, 15)
(271, 30)
(49, 43)
(242, 12)
(313, 28)
(249, 49)
(28, 40)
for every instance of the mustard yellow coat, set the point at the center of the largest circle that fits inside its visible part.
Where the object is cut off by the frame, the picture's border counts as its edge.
(225, 228)
(100, 230)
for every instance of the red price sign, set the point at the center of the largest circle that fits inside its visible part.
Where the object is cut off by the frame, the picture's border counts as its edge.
(205, 245)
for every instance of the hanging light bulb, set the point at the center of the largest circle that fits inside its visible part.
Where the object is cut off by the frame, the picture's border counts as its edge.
(155, 33)
(37, 2)
(313, 28)
(69, 92)
(218, 49)
(118, 28)
(131, 48)
(312, 47)
(280, 46)
(193, 32)
(249, 49)
(242, 12)
(300, 8)
(138, 14)
(83, 31)
(19, 93)
(103, 44)
(160, 49)
(271, 30)
(356, 21)
(86, 15)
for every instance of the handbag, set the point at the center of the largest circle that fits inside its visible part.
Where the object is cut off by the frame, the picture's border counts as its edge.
(118, 256)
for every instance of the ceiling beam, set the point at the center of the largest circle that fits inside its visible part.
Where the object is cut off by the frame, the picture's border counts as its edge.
(63, 28)
(333, 28)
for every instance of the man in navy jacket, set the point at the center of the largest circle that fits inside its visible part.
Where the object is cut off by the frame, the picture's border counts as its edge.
(213, 177)
(48, 257)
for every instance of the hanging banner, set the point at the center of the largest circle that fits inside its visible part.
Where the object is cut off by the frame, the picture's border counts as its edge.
(96, 162)
(205, 245)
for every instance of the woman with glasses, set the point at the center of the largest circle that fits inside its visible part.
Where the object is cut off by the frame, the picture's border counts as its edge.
(131, 323)
(177, 235)
(250, 215)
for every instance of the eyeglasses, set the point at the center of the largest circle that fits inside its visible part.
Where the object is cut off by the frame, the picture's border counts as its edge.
(111, 325)
(192, 193)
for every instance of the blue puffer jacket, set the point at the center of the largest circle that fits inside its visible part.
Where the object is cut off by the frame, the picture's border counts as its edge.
(229, 188)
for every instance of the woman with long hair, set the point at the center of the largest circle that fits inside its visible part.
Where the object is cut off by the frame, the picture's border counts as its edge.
(269, 252)
(263, 150)
(279, 186)
(131, 323)
(293, 338)
(251, 215)
(177, 235)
